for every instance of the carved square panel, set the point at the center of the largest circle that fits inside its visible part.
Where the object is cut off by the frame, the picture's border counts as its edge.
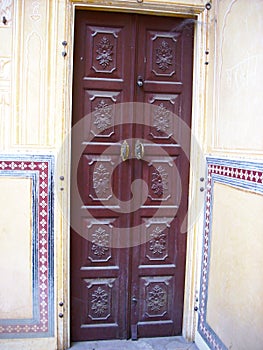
(159, 182)
(97, 246)
(99, 303)
(101, 182)
(163, 56)
(157, 245)
(103, 52)
(156, 294)
(160, 248)
(164, 182)
(101, 299)
(100, 247)
(100, 113)
(96, 180)
(164, 117)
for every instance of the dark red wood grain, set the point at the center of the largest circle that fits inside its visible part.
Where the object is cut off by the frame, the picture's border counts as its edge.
(111, 51)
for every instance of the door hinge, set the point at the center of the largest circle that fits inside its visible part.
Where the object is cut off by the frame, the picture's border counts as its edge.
(64, 52)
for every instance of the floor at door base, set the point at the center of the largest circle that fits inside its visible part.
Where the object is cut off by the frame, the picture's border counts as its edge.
(165, 343)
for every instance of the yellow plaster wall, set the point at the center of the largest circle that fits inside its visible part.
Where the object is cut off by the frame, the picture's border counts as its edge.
(234, 127)
(37, 122)
(6, 33)
(238, 77)
(235, 306)
(15, 248)
(32, 75)
(34, 107)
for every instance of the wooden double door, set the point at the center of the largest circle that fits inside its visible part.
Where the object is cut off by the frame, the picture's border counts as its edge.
(132, 82)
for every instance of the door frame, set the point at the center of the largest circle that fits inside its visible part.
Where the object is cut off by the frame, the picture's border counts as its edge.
(197, 164)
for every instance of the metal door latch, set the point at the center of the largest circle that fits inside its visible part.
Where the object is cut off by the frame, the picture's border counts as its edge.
(134, 300)
(140, 81)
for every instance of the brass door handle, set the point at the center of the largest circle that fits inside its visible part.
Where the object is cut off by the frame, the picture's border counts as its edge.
(125, 149)
(139, 150)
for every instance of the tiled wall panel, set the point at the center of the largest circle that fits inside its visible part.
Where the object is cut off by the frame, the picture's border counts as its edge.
(39, 171)
(246, 177)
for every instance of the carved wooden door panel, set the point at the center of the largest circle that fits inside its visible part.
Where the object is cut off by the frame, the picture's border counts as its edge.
(129, 291)
(98, 284)
(164, 64)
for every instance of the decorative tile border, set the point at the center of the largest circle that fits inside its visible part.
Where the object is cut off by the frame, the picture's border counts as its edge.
(40, 170)
(239, 174)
